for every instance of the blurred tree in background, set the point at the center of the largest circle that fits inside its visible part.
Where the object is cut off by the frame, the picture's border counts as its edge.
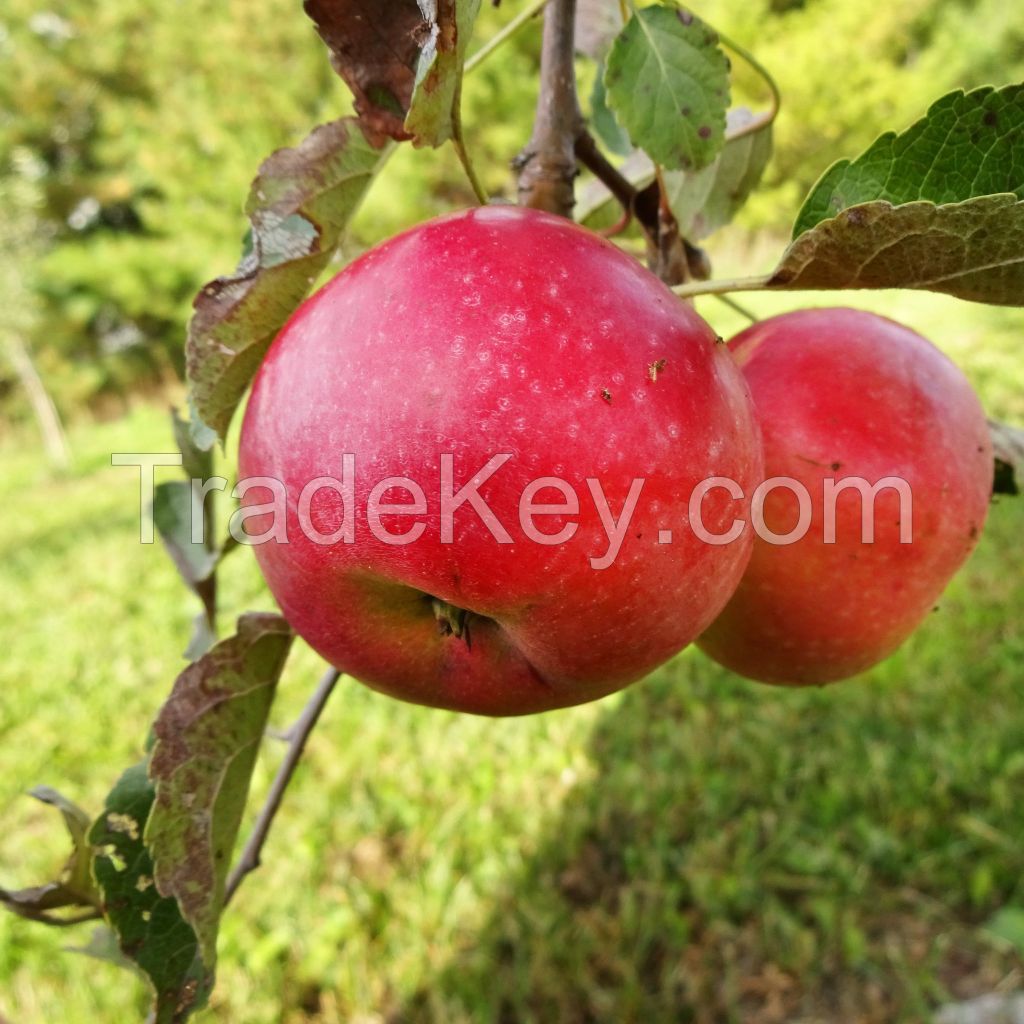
(130, 130)
(137, 126)
(849, 66)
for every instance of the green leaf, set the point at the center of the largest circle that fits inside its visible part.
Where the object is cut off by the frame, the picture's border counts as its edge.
(603, 122)
(973, 250)
(196, 459)
(74, 891)
(175, 508)
(968, 145)
(299, 204)
(207, 737)
(704, 201)
(1007, 925)
(150, 929)
(202, 436)
(202, 639)
(668, 83)
(433, 107)
(1008, 446)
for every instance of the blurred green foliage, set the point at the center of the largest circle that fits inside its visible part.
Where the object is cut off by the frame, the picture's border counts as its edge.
(129, 132)
(138, 125)
(849, 70)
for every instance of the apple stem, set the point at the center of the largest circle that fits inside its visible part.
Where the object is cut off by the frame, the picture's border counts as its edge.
(547, 165)
(726, 284)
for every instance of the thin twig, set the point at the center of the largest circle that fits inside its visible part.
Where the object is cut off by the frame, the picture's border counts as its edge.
(458, 139)
(56, 920)
(72, 919)
(547, 166)
(604, 170)
(525, 15)
(733, 304)
(641, 203)
(634, 203)
(619, 226)
(55, 440)
(769, 115)
(459, 142)
(250, 858)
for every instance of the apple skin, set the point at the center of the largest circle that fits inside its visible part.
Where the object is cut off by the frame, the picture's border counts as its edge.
(499, 330)
(840, 393)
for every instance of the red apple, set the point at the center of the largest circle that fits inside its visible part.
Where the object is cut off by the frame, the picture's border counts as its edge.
(843, 394)
(510, 335)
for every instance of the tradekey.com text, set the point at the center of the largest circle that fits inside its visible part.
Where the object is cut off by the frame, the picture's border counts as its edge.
(544, 497)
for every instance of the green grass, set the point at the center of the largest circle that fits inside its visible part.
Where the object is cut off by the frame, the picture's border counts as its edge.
(696, 849)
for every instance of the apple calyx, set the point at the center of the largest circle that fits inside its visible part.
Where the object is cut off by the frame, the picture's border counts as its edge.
(451, 621)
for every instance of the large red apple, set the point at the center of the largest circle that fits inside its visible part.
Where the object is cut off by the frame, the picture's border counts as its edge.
(517, 350)
(844, 394)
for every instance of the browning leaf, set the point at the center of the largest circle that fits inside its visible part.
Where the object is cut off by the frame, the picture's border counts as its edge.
(402, 59)
(207, 738)
(299, 204)
(973, 250)
(375, 47)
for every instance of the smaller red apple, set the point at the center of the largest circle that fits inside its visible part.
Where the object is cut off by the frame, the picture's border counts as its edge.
(844, 395)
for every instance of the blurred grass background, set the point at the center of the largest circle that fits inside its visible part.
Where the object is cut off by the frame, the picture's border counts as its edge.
(695, 849)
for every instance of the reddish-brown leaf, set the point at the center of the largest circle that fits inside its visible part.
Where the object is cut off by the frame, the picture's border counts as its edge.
(375, 46)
